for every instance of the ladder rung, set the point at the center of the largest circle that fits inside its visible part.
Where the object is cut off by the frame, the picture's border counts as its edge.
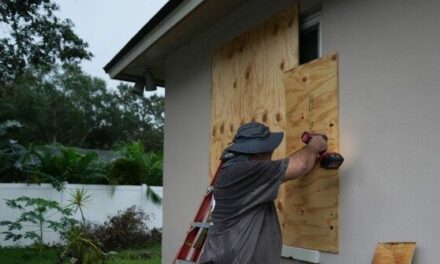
(201, 224)
(179, 261)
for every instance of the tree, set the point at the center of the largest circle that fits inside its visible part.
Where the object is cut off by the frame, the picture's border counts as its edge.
(39, 212)
(35, 36)
(136, 118)
(76, 109)
(61, 104)
(109, 116)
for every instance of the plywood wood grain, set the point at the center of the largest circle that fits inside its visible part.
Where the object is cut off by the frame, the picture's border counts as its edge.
(250, 83)
(394, 253)
(247, 82)
(311, 204)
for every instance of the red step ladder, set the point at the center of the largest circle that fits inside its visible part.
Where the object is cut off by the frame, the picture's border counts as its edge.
(189, 252)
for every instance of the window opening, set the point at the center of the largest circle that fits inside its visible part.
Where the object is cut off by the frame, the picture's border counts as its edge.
(310, 38)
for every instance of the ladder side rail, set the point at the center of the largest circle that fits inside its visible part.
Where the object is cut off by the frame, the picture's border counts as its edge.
(191, 235)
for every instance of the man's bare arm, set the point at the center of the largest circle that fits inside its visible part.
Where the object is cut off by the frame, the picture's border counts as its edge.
(302, 161)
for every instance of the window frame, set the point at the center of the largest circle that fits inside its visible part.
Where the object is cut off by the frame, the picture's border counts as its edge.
(310, 21)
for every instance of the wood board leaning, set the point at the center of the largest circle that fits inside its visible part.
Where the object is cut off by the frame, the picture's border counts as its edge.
(311, 204)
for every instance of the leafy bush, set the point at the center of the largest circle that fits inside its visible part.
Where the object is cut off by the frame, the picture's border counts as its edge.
(81, 248)
(125, 230)
(135, 166)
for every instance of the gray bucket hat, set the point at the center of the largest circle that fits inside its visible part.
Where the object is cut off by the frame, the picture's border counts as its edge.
(253, 137)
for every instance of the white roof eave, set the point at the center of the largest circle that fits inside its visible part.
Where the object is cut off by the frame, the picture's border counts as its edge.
(166, 25)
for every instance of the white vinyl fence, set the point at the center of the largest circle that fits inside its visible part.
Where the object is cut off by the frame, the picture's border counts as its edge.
(105, 201)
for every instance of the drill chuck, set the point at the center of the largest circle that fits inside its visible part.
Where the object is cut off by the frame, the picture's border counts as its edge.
(331, 160)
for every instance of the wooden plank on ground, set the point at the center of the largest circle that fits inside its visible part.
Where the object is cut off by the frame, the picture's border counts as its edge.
(394, 253)
(311, 215)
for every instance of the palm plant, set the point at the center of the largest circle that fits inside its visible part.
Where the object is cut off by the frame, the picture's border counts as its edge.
(10, 152)
(62, 164)
(154, 163)
(134, 166)
(153, 196)
(5, 127)
(80, 246)
(79, 198)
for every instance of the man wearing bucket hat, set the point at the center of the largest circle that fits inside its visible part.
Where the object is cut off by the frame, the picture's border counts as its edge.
(245, 226)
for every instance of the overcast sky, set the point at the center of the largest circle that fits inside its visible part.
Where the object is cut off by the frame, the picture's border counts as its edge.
(107, 25)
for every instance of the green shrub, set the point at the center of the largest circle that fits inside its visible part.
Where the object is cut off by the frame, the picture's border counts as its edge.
(81, 248)
(125, 230)
(67, 165)
(134, 166)
(58, 164)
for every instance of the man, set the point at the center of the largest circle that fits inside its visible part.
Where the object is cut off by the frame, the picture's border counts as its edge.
(245, 226)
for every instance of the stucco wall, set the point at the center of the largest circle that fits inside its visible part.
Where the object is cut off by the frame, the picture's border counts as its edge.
(389, 118)
(389, 107)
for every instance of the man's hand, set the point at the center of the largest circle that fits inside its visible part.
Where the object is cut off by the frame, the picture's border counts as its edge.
(303, 160)
(319, 142)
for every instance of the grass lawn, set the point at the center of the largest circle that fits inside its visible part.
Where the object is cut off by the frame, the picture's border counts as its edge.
(149, 255)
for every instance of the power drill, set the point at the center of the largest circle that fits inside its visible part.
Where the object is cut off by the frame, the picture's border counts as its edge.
(327, 160)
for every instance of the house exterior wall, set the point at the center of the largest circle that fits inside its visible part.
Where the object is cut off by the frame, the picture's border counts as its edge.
(389, 54)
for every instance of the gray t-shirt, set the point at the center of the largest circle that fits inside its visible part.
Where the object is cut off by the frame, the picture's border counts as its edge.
(245, 222)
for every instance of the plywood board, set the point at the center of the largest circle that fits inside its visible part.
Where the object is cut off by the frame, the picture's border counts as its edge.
(247, 81)
(394, 253)
(311, 204)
